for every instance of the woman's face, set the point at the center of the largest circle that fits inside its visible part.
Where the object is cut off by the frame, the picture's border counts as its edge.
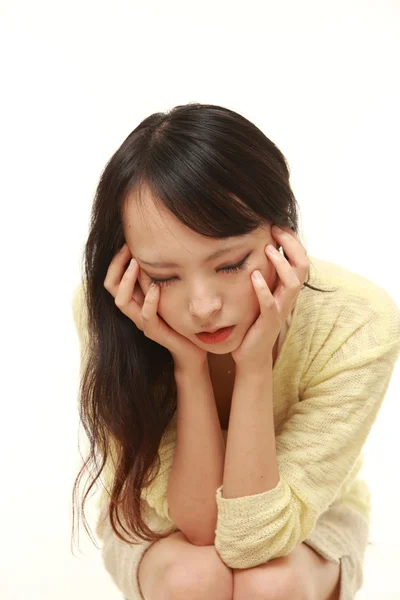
(201, 292)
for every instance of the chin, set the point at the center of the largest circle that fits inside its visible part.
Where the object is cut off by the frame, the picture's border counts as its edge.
(227, 347)
(220, 351)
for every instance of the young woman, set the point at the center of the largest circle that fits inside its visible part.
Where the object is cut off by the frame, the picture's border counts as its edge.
(230, 459)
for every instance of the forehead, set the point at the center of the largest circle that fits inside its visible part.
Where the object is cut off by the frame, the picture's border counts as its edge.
(153, 230)
(149, 225)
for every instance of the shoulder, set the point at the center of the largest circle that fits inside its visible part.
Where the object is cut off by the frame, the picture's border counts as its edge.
(348, 303)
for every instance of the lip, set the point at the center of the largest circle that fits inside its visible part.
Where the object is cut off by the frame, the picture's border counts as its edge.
(219, 335)
(213, 330)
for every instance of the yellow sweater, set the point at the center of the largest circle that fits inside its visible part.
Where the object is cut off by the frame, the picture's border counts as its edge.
(329, 381)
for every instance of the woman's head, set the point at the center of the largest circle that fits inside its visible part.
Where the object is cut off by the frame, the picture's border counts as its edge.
(208, 179)
(182, 185)
(199, 292)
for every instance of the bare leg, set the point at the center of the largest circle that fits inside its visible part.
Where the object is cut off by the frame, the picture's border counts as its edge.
(173, 568)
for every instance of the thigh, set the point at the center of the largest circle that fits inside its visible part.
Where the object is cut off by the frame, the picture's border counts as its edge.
(174, 557)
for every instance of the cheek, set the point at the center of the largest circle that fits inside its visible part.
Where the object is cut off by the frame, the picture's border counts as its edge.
(245, 301)
(271, 278)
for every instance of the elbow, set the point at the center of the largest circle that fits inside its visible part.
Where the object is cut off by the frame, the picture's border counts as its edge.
(203, 541)
(196, 532)
(196, 539)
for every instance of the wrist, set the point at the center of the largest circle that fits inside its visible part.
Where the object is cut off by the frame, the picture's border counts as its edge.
(199, 369)
(253, 372)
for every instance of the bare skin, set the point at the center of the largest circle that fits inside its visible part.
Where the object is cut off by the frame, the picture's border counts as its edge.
(173, 568)
(222, 370)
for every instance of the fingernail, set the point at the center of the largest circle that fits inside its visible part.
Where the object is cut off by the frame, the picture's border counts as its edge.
(132, 264)
(272, 249)
(123, 248)
(278, 229)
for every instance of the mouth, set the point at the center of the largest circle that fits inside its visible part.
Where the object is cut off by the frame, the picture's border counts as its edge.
(215, 336)
(213, 330)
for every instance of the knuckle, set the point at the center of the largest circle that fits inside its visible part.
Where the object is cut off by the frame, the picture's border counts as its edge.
(146, 328)
(269, 302)
(118, 302)
(304, 264)
(294, 285)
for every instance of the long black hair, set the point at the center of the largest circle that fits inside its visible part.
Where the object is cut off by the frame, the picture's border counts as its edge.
(220, 176)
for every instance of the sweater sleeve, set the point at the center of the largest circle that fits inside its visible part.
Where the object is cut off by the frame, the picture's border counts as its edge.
(317, 446)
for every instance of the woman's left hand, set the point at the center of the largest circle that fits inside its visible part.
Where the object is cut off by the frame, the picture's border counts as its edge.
(258, 343)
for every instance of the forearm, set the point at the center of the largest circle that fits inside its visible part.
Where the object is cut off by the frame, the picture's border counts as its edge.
(197, 468)
(251, 465)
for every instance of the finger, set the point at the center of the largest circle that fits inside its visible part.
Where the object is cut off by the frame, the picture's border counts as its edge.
(296, 252)
(124, 296)
(138, 294)
(293, 234)
(116, 270)
(286, 229)
(286, 293)
(154, 326)
(290, 232)
(149, 309)
(264, 295)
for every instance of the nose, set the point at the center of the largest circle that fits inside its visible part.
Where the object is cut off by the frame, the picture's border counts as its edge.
(202, 308)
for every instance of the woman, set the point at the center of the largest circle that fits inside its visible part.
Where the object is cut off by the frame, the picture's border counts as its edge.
(230, 460)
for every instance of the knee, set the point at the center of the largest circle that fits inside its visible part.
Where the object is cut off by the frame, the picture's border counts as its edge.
(206, 577)
(267, 585)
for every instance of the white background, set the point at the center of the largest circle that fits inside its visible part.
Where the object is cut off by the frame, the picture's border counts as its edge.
(319, 78)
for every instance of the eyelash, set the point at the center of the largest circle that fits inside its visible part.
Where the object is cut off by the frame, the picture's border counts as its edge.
(232, 269)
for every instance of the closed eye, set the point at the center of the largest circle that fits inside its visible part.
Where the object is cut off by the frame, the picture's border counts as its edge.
(230, 269)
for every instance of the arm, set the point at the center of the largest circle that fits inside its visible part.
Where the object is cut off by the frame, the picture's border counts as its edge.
(317, 448)
(251, 465)
(197, 467)
(191, 458)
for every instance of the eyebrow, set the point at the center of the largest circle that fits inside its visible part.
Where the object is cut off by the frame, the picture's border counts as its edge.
(170, 265)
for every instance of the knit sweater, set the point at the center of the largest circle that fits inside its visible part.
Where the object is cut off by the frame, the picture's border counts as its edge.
(329, 381)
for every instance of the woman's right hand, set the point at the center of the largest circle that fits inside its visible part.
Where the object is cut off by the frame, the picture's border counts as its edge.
(142, 310)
